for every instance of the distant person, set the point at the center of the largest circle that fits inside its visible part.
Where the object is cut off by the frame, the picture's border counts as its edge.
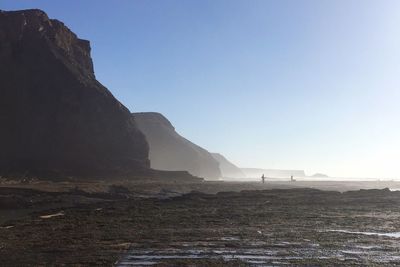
(292, 179)
(263, 179)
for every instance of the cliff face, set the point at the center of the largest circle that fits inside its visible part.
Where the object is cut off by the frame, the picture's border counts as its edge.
(55, 117)
(228, 169)
(170, 151)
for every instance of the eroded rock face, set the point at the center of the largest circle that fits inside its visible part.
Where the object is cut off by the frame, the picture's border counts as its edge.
(170, 151)
(55, 117)
(228, 169)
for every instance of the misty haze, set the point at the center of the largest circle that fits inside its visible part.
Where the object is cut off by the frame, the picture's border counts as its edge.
(199, 133)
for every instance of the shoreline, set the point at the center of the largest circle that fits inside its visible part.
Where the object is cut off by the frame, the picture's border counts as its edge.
(167, 223)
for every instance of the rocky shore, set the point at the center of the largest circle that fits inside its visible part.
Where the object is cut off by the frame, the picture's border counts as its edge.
(114, 225)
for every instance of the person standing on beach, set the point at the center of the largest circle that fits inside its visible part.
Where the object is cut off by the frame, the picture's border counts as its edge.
(263, 179)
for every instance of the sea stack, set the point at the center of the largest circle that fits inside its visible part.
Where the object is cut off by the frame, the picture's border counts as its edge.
(56, 118)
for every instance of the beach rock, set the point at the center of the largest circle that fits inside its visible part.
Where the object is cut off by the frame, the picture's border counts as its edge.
(56, 118)
(170, 151)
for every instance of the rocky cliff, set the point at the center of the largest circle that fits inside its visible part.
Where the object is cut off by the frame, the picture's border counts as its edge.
(228, 169)
(55, 117)
(171, 151)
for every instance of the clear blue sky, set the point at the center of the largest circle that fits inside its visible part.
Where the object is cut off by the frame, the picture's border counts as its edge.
(311, 85)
